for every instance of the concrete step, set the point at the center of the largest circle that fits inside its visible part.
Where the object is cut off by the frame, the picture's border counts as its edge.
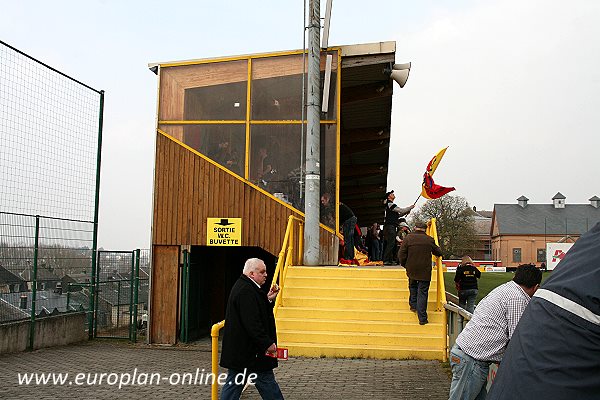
(350, 303)
(354, 272)
(349, 282)
(412, 340)
(302, 349)
(396, 316)
(359, 326)
(348, 272)
(393, 294)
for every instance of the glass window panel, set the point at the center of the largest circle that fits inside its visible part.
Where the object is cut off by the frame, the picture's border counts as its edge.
(328, 172)
(211, 91)
(225, 144)
(516, 255)
(275, 161)
(219, 102)
(277, 88)
(541, 255)
(276, 164)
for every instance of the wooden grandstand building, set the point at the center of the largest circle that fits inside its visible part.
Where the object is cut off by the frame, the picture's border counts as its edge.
(230, 148)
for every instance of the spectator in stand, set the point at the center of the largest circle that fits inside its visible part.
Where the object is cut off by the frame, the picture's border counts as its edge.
(403, 231)
(373, 242)
(393, 217)
(466, 283)
(348, 220)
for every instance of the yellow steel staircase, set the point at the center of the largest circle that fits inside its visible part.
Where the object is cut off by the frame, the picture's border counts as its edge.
(355, 312)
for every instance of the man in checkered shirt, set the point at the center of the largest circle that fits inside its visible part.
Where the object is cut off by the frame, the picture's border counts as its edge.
(486, 336)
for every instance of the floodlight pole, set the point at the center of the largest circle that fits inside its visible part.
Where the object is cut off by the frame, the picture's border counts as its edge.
(313, 138)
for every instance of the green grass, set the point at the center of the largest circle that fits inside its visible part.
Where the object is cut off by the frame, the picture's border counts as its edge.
(487, 282)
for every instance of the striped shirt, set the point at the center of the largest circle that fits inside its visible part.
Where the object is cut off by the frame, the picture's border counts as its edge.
(487, 334)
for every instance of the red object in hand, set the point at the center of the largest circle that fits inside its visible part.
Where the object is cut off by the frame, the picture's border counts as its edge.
(281, 353)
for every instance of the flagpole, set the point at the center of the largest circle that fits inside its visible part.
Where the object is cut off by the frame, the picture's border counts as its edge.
(417, 199)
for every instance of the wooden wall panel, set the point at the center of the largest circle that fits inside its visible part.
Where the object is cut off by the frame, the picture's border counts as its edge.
(163, 307)
(191, 189)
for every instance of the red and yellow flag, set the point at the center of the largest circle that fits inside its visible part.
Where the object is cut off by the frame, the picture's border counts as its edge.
(430, 190)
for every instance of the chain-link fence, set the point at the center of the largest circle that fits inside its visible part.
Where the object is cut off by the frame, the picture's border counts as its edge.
(122, 290)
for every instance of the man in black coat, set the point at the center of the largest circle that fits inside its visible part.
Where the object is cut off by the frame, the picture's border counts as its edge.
(249, 335)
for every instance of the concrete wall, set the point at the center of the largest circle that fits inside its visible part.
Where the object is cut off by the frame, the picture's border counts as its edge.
(49, 331)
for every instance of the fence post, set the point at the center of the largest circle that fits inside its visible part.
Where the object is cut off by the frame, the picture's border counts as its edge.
(34, 281)
(93, 298)
(131, 283)
(135, 293)
(93, 326)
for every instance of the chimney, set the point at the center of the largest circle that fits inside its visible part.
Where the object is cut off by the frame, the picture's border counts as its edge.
(523, 201)
(559, 200)
(23, 304)
(595, 201)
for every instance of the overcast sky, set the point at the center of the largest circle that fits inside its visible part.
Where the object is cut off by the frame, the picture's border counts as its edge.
(512, 87)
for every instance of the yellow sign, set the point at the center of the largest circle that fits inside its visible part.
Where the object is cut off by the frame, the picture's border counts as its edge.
(224, 231)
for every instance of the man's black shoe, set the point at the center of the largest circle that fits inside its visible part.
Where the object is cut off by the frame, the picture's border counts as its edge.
(423, 322)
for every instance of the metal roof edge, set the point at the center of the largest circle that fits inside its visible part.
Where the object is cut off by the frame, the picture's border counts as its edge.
(346, 51)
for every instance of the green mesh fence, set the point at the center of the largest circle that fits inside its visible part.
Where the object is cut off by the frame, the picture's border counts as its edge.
(122, 289)
(50, 130)
(49, 126)
(52, 256)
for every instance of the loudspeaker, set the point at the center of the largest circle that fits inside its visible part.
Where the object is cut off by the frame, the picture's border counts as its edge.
(400, 73)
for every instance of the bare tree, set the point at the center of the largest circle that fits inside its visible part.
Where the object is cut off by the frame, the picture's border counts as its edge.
(455, 224)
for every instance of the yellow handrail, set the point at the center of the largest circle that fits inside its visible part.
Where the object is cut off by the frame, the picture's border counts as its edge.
(286, 256)
(441, 289)
(214, 334)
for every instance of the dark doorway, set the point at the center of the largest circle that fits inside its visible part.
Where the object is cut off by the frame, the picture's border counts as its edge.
(213, 271)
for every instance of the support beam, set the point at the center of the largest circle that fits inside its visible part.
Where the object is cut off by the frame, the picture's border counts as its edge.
(359, 147)
(366, 92)
(364, 134)
(356, 171)
(353, 189)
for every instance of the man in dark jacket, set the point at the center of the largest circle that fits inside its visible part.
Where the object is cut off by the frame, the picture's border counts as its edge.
(249, 335)
(466, 283)
(415, 256)
(391, 222)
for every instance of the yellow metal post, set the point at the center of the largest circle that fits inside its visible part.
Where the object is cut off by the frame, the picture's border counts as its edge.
(248, 111)
(214, 334)
(300, 243)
